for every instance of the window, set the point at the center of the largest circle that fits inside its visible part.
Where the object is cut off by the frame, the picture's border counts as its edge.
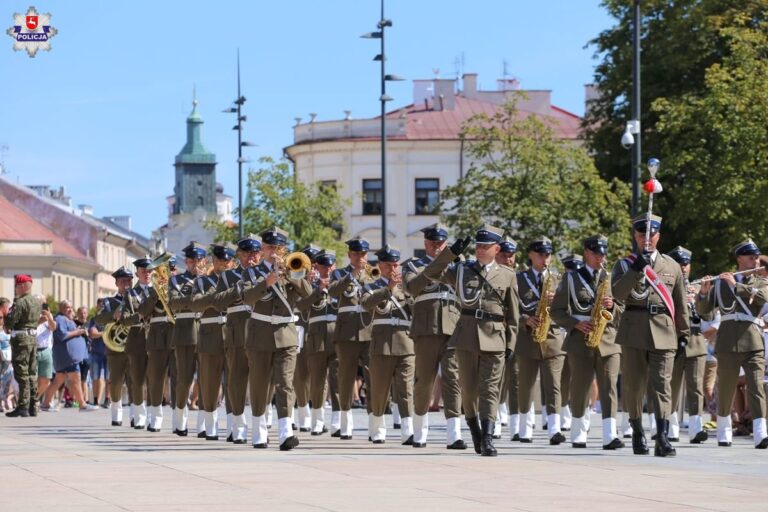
(371, 197)
(427, 196)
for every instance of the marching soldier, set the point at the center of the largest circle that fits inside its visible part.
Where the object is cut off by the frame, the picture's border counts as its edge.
(301, 377)
(654, 325)
(435, 313)
(21, 322)
(117, 361)
(570, 262)
(486, 331)
(392, 353)
(740, 299)
(690, 362)
(572, 308)
(272, 341)
(508, 399)
(320, 312)
(353, 332)
(536, 284)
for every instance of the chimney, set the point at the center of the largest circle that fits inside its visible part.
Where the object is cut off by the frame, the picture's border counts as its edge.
(444, 93)
(422, 92)
(470, 84)
(86, 209)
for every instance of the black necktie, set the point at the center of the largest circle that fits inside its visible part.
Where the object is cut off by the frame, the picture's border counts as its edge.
(538, 281)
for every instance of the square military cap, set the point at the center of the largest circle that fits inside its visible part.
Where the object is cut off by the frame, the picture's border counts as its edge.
(572, 261)
(223, 252)
(195, 251)
(597, 244)
(121, 273)
(508, 245)
(274, 236)
(311, 251)
(326, 257)
(681, 255)
(639, 223)
(488, 234)
(249, 243)
(541, 245)
(388, 254)
(358, 244)
(747, 247)
(145, 262)
(435, 232)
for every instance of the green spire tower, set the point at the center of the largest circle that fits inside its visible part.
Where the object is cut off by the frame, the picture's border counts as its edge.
(195, 169)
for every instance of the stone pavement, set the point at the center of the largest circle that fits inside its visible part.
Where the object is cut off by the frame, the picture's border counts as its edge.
(75, 461)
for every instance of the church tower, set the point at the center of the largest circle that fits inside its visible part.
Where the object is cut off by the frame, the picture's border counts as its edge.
(195, 170)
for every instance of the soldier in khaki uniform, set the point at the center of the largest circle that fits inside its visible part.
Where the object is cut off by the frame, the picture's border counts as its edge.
(648, 333)
(486, 331)
(392, 353)
(572, 308)
(435, 313)
(532, 356)
(301, 375)
(21, 322)
(353, 330)
(689, 363)
(319, 312)
(273, 341)
(238, 314)
(117, 361)
(507, 414)
(740, 299)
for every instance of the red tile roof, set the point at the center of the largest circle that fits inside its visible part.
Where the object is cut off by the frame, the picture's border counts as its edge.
(18, 226)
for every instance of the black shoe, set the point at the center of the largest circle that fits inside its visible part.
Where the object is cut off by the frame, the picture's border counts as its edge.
(305, 429)
(18, 412)
(181, 433)
(615, 444)
(763, 444)
(653, 437)
(142, 427)
(408, 442)
(396, 426)
(639, 444)
(201, 435)
(211, 438)
(579, 445)
(133, 423)
(557, 439)
(516, 437)
(700, 437)
(117, 423)
(345, 438)
(526, 440)
(565, 429)
(457, 445)
(230, 438)
(419, 445)
(477, 435)
(336, 434)
(543, 426)
(673, 439)
(150, 429)
(257, 445)
(663, 448)
(378, 441)
(239, 441)
(488, 450)
(627, 436)
(725, 444)
(325, 429)
(33, 408)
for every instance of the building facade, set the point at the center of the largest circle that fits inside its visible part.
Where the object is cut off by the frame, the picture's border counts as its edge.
(425, 154)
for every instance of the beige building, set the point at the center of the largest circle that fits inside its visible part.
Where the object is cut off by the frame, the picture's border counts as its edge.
(425, 154)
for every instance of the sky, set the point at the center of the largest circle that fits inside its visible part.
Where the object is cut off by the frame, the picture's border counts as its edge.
(103, 113)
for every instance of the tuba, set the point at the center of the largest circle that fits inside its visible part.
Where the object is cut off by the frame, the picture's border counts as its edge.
(160, 279)
(600, 317)
(542, 310)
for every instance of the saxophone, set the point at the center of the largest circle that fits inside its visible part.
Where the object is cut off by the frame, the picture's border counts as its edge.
(542, 310)
(600, 316)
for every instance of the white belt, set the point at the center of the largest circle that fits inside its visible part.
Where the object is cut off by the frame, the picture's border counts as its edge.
(743, 317)
(237, 309)
(187, 316)
(582, 318)
(213, 320)
(29, 332)
(351, 309)
(392, 321)
(322, 318)
(436, 296)
(158, 319)
(274, 320)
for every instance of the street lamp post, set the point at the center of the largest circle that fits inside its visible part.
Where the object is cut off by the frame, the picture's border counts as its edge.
(384, 98)
(636, 148)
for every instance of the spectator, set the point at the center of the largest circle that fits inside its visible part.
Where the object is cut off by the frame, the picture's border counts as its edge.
(44, 356)
(69, 350)
(99, 370)
(6, 368)
(81, 321)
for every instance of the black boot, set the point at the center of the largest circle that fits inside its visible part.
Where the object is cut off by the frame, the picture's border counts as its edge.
(487, 448)
(663, 448)
(33, 407)
(639, 444)
(474, 429)
(23, 412)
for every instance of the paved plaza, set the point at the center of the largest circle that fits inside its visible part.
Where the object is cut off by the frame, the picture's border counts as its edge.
(74, 461)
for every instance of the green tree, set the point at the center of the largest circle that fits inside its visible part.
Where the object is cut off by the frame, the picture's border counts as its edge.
(526, 180)
(716, 147)
(309, 212)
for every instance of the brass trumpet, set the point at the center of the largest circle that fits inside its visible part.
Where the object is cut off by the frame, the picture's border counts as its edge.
(298, 265)
(372, 271)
